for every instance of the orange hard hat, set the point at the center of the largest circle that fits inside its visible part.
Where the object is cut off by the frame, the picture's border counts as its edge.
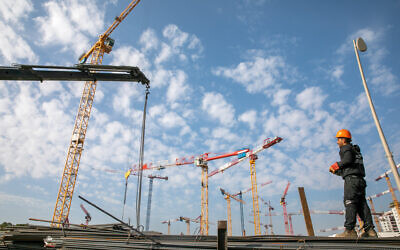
(343, 133)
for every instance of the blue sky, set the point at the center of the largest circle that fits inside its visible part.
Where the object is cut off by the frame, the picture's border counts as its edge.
(224, 75)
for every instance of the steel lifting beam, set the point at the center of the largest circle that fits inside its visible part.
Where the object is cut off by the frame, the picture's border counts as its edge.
(80, 72)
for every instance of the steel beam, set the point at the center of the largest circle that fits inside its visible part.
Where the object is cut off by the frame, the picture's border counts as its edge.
(80, 72)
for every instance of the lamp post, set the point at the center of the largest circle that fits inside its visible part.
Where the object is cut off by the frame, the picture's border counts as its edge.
(361, 46)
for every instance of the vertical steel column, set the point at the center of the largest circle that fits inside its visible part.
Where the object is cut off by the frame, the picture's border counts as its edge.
(241, 215)
(204, 198)
(256, 210)
(188, 227)
(222, 238)
(126, 188)
(149, 204)
(228, 204)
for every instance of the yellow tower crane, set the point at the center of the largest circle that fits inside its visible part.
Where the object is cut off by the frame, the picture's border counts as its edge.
(391, 189)
(67, 185)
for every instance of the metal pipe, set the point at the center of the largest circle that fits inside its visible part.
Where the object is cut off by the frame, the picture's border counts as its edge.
(140, 174)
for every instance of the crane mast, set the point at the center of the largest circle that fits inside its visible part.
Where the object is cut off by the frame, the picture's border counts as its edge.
(228, 197)
(241, 215)
(187, 221)
(285, 214)
(256, 209)
(168, 222)
(71, 167)
(270, 208)
(151, 178)
(202, 163)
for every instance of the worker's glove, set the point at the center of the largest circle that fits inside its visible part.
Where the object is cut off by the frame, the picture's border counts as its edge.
(334, 168)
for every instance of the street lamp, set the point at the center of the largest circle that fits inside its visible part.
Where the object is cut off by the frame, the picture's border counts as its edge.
(361, 46)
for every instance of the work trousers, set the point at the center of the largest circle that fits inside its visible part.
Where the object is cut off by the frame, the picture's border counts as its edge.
(355, 202)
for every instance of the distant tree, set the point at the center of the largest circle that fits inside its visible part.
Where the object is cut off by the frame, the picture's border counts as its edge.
(5, 224)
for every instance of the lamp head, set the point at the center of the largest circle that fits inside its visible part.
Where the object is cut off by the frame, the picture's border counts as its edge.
(361, 46)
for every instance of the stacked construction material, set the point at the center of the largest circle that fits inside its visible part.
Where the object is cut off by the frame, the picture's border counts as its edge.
(119, 237)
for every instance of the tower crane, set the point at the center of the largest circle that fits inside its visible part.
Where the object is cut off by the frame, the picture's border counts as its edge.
(391, 189)
(283, 204)
(188, 220)
(228, 197)
(168, 222)
(202, 162)
(67, 185)
(262, 224)
(88, 218)
(151, 178)
(252, 155)
(369, 199)
(270, 208)
(240, 193)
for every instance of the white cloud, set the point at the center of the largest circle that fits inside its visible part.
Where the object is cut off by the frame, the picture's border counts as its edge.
(337, 73)
(224, 134)
(69, 23)
(171, 120)
(310, 98)
(215, 105)
(249, 117)
(13, 10)
(129, 56)
(165, 53)
(149, 40)
(177, 37)
(23, 201)
(122, 100)
(48, 88)
(160, 77)
(383, 79)
(14, 47)
(32, 147)
(280, 97)
(179, 43)
(177, 89)
(157, 110)
(258, 75)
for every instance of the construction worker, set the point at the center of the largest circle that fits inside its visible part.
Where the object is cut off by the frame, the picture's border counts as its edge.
(351, 169)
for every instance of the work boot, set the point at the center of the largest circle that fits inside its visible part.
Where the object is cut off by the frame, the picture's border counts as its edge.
(370, 233)
(348, 234)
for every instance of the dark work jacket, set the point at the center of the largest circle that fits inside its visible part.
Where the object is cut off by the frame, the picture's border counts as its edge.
(351, 161)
